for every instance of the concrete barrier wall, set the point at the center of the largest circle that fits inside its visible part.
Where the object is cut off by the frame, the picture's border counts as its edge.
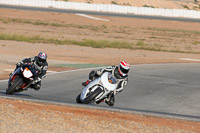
(105, 8)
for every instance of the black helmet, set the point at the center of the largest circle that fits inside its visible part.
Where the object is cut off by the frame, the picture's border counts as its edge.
(42, 57)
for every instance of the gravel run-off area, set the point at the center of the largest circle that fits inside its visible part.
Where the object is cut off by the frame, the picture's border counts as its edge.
(175, 39)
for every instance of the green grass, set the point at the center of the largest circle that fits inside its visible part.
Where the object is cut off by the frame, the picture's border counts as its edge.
(148, 6)
(196, 7)
(41, 23)
(186, 7)
(174, 30)
(86, 42)
(113, 2)
(95, 43)
(22, 38)
(151, 47)
(196, 43)
(104, 28)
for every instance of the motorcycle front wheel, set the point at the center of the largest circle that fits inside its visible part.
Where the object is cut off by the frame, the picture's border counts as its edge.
(78, 100)
(92, 96)
(16, 83)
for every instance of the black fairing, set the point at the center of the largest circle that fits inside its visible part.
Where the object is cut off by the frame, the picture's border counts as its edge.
(33, 68)
(17, 72)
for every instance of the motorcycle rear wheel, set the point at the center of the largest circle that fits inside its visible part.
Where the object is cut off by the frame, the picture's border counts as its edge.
(92, 96)
(18, 82)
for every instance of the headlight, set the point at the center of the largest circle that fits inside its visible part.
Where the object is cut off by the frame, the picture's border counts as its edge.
(27, 73)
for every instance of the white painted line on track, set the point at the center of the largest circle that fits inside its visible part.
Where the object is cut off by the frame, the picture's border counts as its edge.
(51, 71)
(76, 70)
(54, 72)
(3, 80)
(95, 18)
(188, 59)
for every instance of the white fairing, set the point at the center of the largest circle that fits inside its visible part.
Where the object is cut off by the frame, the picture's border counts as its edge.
(103, 83)
(106, 83)
(27, 73)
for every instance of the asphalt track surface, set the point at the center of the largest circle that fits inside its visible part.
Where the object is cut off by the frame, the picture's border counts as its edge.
(99, 13)
(171, 90)
(162, 89)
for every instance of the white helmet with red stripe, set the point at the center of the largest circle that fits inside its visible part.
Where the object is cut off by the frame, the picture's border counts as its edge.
(123, 68)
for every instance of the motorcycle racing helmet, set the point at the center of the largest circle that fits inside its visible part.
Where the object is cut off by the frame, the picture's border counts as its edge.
(42, 57)
(123, 68)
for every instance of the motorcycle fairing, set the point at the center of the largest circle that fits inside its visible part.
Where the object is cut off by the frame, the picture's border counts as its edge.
(90, 88)
(103, 83)
(106, 83)
(26, 71)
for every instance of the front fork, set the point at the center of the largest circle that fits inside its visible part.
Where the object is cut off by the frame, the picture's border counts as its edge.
(27, 83)
(24, 86)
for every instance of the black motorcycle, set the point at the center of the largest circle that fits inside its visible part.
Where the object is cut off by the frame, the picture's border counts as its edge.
(22, 78)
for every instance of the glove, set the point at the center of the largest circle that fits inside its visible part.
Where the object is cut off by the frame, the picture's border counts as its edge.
(98, 73)
(110, 95)
(19, 64)
(92, 75)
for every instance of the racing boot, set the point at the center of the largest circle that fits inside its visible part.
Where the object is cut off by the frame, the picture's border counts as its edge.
(98, 102)
(86, 83)
(35, 86)
(110, 100)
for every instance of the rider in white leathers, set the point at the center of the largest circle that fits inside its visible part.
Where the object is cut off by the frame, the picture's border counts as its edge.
(120, 72)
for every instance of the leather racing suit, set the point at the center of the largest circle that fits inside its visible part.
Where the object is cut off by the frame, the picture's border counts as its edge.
(42, 67)
(122, 81)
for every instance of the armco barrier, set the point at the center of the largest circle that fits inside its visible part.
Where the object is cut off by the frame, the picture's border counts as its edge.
(105, 8)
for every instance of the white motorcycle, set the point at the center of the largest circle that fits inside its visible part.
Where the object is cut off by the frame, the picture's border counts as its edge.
(98, 90)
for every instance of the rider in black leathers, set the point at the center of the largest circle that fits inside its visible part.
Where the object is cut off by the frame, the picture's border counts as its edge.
(120, 72)
(41, 62)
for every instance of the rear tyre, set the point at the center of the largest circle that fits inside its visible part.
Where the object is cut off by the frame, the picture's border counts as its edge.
(78, 100)
(17, 82)
(92, 96)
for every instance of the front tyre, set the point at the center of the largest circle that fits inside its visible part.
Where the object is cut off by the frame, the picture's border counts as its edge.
(78, 100)
(16, 83)
(92, 96)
